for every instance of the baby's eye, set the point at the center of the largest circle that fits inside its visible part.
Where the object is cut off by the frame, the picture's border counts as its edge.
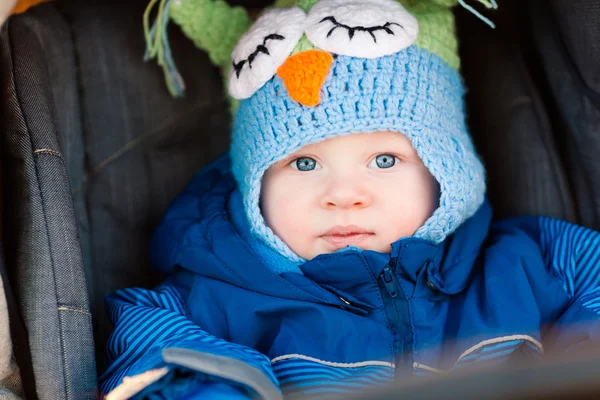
(304, 164)
(383, 161)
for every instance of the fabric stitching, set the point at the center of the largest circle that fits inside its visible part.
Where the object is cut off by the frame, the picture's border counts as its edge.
(417, 365)
(261, 48)
(352, 29)
(333, 364)
(77, 310)
(135, 142)
(37, 175)
(500, 340)
(49, 151)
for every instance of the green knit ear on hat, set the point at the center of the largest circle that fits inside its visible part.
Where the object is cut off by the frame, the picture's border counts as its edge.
(213, 25)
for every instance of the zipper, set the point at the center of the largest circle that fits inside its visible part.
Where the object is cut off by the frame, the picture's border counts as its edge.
(398, 316)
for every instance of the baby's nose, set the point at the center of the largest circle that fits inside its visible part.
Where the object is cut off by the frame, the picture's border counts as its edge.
(346, 195)
(303, 75)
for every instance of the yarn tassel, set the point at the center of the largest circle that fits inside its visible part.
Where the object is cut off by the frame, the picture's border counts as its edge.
(487, 3)
(157, 45)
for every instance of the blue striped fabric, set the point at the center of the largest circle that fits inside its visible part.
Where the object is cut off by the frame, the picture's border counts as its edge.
(591, 300)
(490, 354)
(497, 353)
(573, 253)
(148, 321)
(309, 377)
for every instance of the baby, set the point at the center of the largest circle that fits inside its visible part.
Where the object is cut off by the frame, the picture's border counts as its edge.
(345, 241)
(363, 190)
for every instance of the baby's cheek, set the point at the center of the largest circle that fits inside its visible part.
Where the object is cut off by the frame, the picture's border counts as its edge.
(289, 217)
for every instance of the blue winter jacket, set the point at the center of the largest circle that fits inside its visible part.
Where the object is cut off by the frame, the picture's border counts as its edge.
(225, 326)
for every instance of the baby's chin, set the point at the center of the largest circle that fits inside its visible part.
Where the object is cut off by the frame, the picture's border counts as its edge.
(315, 253)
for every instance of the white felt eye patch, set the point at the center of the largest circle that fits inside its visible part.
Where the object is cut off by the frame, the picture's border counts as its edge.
(361, 28)
(263, 49)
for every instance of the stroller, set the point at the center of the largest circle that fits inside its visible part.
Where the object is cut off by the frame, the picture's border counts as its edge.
(94, 148)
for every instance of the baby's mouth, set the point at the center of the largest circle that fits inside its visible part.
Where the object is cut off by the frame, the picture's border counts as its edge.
(343, 236)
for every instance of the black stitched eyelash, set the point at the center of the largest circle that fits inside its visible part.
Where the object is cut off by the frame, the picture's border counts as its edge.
(261, 48)
(352, 29)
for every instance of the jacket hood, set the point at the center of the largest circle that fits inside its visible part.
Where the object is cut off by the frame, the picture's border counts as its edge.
(205, 231)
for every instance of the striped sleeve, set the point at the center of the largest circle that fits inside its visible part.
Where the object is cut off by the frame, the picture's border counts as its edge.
(573, 254)
(154, 338)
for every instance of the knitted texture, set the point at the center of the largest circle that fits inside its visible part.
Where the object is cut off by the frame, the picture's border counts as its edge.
(365, 29)
(437, 32)
(306, 5)
(213, 25)
(436, 27)
(304, 45)
(414, 92)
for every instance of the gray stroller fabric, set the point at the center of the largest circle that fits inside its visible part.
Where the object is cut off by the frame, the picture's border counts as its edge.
(567, 39)
(136, 147)
(93, 150)
(40, 235)
(509, 119)
(534, 106)
(11, 387)
(43, 256)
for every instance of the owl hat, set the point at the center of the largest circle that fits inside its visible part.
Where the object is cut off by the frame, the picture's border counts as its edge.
(309, 70)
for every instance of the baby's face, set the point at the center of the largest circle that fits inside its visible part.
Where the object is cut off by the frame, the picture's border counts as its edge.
(366, 190)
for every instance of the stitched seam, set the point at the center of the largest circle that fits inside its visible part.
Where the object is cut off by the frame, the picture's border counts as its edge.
(333, 364)
(37, 176)
(135, 142)
(117, 154)
(417, 365)
(49, 151)
(500, 340)
(261, 48)
(77, 310)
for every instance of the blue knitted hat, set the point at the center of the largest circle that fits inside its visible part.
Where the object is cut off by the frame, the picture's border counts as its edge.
(406, 81)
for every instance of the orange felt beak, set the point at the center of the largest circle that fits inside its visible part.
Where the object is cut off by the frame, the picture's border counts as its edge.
(304, 73)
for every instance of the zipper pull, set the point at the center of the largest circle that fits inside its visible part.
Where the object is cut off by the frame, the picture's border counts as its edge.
(389, 281)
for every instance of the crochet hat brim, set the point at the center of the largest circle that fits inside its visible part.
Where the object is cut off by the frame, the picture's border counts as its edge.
(413, 92)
